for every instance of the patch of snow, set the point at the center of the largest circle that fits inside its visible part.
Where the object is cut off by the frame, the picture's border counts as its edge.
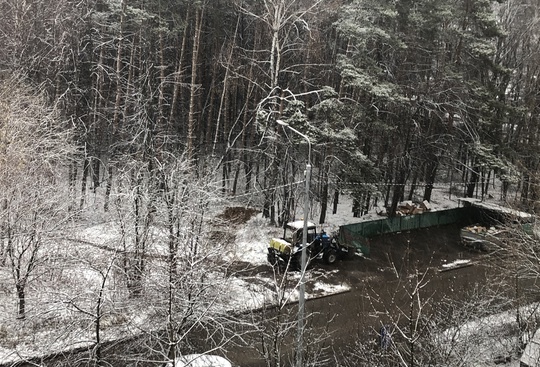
(531, 354)
(101, 234)
(252, 241)
(327, 289)
(456, 263)
(480, 342)
(496, 207)
(202, 360)
(243, 295)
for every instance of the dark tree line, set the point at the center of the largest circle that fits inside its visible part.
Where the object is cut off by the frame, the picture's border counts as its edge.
(396, 96)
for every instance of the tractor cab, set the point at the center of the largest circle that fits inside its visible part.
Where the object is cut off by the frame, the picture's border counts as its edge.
(293, 232)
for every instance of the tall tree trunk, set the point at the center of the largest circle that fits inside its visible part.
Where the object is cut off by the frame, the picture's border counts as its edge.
(335, 201)
(73, 172)
(225, 86)
(84, 180)
(94, 146)
(161, 97)
(193, 87)
(399, 185)
(179, 72)
(96, 164)
(117, 104)
(473, 180)
(413, 185)
(248, 135)
(324, 200)
(21, 300)
(431, 174)
(108, 187)
(119, 55)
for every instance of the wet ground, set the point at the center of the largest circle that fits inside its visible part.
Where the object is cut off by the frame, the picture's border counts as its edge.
(380, 286)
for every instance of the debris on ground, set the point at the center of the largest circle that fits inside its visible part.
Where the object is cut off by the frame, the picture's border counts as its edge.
(411, 208)
(238, 214)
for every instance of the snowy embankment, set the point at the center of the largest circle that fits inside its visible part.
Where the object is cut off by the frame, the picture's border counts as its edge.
(490, 340)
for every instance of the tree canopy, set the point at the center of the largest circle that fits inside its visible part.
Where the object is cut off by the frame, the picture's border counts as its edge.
(413, 90)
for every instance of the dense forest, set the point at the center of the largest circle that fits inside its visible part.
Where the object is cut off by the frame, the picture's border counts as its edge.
(161, 106)
(394, 95)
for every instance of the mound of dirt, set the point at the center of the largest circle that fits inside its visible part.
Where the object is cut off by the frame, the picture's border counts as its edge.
(238, 214)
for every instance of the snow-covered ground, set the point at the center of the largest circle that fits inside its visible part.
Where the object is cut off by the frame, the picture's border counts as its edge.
(201, 360)
(97, 244)
(242, 293)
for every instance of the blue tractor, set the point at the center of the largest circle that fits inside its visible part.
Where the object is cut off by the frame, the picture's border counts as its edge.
(287, 251)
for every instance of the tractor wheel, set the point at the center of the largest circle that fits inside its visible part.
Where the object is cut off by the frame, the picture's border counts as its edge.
(272, 257)
(296, 262)
(351, 251)
(330, 256)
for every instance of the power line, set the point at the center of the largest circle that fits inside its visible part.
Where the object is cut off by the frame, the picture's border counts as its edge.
(267, 189)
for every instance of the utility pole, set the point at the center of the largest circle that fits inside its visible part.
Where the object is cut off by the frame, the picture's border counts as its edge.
(302, 285)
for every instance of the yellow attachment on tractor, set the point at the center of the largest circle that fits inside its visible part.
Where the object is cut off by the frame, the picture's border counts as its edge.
(280, 245)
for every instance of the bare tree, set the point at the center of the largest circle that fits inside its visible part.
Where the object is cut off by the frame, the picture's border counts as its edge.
(276, 323)
(285, 26)
(187, 287)
(134, 213)
(34, 147)
(93, 304)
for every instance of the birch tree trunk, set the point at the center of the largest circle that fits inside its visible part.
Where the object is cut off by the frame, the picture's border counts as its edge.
(199, 13)
(117, 105)
(178, 75)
